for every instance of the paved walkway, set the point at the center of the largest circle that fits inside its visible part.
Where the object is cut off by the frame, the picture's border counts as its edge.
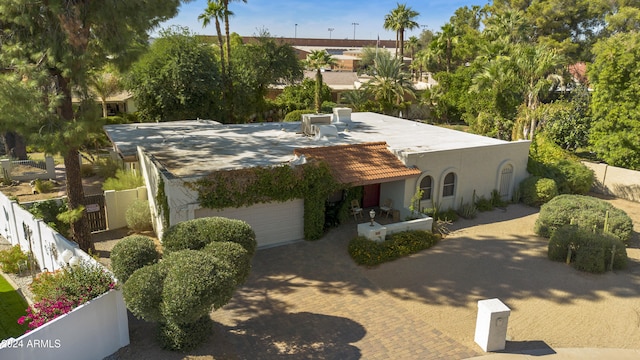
(309, 300)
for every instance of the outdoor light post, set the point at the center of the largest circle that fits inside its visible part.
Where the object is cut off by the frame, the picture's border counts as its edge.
(372, 215)
(354, 29)
(330, 30)
(295, 32)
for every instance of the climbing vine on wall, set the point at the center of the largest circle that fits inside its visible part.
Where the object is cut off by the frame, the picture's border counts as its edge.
(163, 203)
(312, 182)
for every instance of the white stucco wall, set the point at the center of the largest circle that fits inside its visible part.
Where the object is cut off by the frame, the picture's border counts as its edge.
(477, 168)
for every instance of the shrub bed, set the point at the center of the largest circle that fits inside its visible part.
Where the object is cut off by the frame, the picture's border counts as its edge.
(370, 253)
(10, 258)
(537, 191)
(584, 211)
(590, 251)
(138, 216)
(60, 292)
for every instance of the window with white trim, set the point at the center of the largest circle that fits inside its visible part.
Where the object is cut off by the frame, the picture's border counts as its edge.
(426, 185)
(449, 186)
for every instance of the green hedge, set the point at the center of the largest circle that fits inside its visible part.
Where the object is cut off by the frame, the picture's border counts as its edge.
(138, 216)
(536, 191)
(196, 234)
(590, 251)
(369, 253)
(132, 253)
(296, 115)
(585, 211)
(235, 256)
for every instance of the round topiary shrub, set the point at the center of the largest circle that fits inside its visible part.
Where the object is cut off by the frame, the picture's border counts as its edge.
(131, 253)
(537, 191)
(138, 216)
(196, 234)
(234, 256)
(590, 258)
(182, 337)
(584, 211)
(207, 278)
(143, 292)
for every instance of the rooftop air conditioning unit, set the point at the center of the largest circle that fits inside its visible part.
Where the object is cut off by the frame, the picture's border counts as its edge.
(342, 115)
(324, 131)
(308, 120)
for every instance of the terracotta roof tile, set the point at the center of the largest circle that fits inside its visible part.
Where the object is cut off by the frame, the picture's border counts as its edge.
(361, 164)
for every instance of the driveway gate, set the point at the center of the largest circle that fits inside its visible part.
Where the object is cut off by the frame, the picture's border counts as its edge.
(94, 206)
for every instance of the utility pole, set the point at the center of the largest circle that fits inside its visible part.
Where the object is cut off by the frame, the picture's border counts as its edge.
(295, 32)
(330, 30)
(354, 29)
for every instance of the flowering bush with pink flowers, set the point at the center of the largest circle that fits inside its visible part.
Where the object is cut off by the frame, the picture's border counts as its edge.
(60, 292)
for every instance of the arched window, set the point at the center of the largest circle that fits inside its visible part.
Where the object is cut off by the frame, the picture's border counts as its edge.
(449, 186)
(426, 184)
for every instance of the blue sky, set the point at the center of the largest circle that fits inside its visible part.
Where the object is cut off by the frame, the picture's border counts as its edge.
(315, 17)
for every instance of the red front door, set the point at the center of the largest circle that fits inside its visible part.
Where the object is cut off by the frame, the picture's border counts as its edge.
(371, 196)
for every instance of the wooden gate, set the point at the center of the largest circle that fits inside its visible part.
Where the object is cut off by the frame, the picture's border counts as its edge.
(94, 206)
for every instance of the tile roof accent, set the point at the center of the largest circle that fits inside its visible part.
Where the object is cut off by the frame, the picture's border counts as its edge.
(361, 164)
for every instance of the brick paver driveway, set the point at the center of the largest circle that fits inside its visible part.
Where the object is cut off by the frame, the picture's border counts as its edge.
(309, 300)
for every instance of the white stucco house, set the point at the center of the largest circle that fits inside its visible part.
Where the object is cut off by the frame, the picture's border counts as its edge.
(390, 157)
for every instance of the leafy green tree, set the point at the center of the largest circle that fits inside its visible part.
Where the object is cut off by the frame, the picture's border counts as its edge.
(318, 60)
(615, 134)
(356, 99)
(400, 19)
(257, 66)
(51, 47)
(302, 96)
(177, 79)
(567, 122)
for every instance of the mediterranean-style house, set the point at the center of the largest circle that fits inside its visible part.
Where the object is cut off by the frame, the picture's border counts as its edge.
(391, 158)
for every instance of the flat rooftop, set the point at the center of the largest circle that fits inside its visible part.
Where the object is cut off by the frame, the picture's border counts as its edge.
(194, 148)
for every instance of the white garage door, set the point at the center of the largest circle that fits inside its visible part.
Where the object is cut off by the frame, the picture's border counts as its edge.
(274, 223)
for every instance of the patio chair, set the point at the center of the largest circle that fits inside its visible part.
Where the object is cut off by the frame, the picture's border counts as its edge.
(356, 209)
(386, 207)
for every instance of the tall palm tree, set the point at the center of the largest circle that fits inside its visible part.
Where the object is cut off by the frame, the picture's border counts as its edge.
(411, 45)
(399, 20)
(318, 60)
(226, 14)
(445, 41)
(391, 83)
(215, 10)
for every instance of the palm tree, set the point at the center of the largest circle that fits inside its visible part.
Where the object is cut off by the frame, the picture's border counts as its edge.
(398, 20)
(105, 85)
(318, 60)
(539, 68)
(411, 45)
(536, 68)
(391, 83)
(215, 10)
(226, 14)
(444, 42)
(356, 99)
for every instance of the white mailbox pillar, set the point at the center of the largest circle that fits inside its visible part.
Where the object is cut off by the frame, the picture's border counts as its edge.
(491, 325)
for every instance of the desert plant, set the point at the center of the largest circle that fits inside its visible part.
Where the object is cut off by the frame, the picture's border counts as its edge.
(196, 234)
(123, 180)
(585, 211)
(483, 204)
(43, 186)
(87, 170)
(10, 259)
(107, 168)
(138, 216)
(537, 191)
(468, 211)
(496, 199)
(132, 253)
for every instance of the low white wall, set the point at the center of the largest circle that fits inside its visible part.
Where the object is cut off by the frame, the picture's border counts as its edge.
(96, 329)
(619, 182)
(48, 173)
(117, 202)
(93, 330)
(425, 224)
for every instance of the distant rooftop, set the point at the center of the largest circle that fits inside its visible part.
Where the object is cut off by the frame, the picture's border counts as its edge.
(194, 148)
